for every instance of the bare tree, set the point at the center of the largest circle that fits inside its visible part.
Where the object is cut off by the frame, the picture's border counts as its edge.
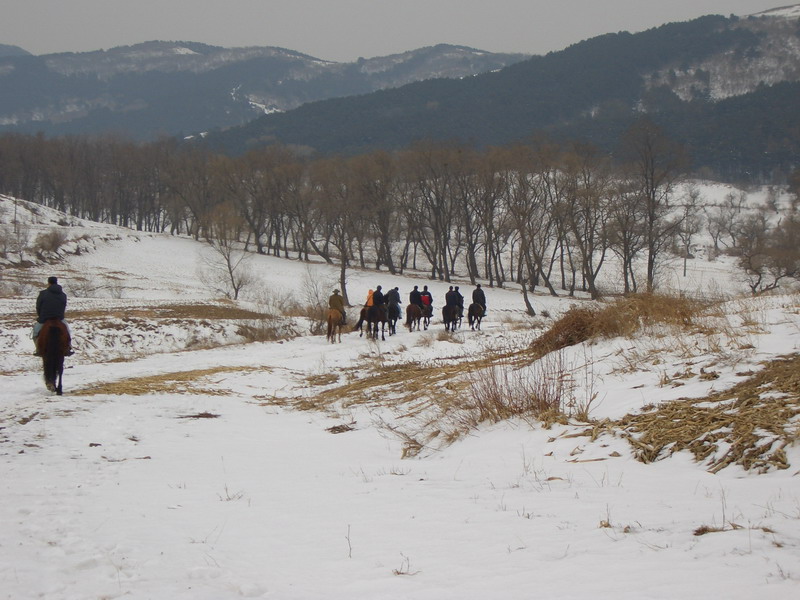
(655, 162)
(691, 223)
(226, 270)
(587, 211)
(768, 254)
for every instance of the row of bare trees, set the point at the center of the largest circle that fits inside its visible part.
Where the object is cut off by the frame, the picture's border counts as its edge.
(537, 214)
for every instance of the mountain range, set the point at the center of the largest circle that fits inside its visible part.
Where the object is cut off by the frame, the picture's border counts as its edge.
(165, 88)
(727, 88)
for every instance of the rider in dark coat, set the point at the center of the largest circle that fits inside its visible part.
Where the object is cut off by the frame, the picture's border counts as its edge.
(393, 296)
(459, 302)
(478, 297)
(415, 297)
(377, 297)
(51, 303)
(450, 298)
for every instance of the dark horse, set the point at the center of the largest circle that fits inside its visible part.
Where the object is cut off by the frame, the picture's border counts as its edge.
(375, 315)
(450, 317)
(52, 344)
(372, 315)
(393, 315)
(361, 318)
(334, 325)
(413, 316)
(474, 316)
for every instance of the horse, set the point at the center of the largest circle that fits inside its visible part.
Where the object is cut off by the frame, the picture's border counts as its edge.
(360, 324)
(450, 317)
(413, 316)
(375, 315)
(427, 315)
(334, 325)
(474, 316)
(52, 344)
(393, 315)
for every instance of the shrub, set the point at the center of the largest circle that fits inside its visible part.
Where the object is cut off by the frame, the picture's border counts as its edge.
(624, 317)
(540, 391)
(50, 241)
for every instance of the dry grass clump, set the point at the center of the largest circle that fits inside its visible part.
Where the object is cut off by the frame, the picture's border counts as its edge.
(183, 312)
(185, 382)
(502, 391)
(624, 317)
(749, 425)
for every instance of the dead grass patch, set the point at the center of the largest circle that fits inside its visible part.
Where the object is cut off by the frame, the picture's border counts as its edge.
(180, 312)
(623, 318)
(749, 425)
(184, 382)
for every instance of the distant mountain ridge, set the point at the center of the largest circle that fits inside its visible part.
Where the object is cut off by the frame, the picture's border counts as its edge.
(728, 88)
(165, 88)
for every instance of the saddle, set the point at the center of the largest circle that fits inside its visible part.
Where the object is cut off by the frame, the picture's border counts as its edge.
(44, 334)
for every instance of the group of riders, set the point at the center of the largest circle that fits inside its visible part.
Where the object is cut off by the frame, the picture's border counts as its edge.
(51, 305)
(422, 298)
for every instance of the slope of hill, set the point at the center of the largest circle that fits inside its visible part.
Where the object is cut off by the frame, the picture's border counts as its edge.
(676, 73)
(159, 88)
(6, 50)
(187, 460)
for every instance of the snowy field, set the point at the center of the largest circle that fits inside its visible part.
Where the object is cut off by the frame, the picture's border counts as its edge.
(185, 462)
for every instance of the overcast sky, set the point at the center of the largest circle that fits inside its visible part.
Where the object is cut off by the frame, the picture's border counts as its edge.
(343, 30)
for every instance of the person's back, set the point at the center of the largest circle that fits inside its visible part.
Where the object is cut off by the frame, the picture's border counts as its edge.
(51, 302)
(479, 297)
(427, 297)
(378, 297)
(415, 297)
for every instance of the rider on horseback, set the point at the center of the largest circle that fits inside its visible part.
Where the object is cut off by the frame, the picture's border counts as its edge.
(337, 302)
(51, 304)
(460, 302)
(426, 294)
(415, 297)
(478, 297)
(377, 297)
(393, 296)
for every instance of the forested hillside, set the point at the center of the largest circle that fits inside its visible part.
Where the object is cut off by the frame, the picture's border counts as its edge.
(590, 91)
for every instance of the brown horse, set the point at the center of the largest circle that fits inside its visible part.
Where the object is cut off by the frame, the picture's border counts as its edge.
(427, 315)
(52, 345)
(450, 317)
(413, 316)
(474, 316)
(334, 325)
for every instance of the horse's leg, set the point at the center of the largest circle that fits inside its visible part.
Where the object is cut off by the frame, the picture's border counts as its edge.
(59, 388)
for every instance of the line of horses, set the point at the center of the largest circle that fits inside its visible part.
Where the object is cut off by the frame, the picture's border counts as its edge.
(378, 318)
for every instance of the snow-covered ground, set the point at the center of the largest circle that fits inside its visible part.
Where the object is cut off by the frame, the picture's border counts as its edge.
(184, 463)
